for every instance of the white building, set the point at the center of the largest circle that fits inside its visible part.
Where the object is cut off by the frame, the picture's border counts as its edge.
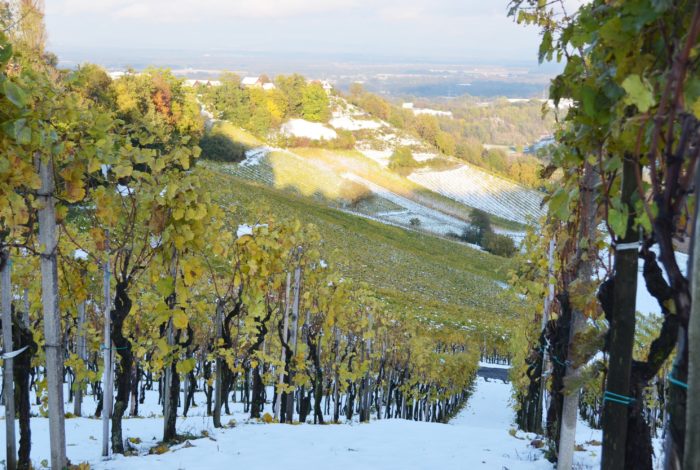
(252, 82)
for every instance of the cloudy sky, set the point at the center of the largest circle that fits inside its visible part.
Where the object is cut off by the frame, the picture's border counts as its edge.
(439, 29)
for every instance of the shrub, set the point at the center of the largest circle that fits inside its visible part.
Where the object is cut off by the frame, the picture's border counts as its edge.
(471, 234)
(414, 222)
(402, 159)
(352, 192)
(480, 221)
(221, 148)
(500, 245)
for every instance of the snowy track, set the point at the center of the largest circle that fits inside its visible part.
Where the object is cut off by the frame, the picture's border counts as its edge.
(478, 437)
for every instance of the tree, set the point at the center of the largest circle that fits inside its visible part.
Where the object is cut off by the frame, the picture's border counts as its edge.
(293, 87)
(481, 221)
(402, 160)
(219, 147)
(445, 143)
(315, 103)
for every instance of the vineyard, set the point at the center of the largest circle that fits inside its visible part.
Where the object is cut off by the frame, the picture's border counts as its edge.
(479, 189)
(138, 281)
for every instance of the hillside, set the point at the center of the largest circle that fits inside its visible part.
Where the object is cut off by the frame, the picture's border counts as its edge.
(440, 281)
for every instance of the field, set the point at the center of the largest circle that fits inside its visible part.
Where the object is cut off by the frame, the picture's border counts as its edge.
(476, 188)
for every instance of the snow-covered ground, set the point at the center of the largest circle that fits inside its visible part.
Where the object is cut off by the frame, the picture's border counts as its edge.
(308, 129)
(479, 436)
(253, 157)
(430, 219)
(474, 187)
(645, 302)
(352, 124)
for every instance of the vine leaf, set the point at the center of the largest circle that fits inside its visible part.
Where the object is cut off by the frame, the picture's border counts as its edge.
(638, 93)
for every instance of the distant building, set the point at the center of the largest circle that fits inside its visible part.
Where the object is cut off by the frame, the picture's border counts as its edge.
(325, 84)
(432, 112)
(252, 82)
(258, 82)
(208, 83)
(116, 75)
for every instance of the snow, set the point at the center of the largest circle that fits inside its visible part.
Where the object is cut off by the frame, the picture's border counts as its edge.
(350, 124)
(430, 219)
(245, 229)
(424, 156)
(493, 365)
(645, 303)
(379, 156)
(124, 190)
(479, 436)
(308, 129)
(477, 188)
(253, 157)
(80, 254)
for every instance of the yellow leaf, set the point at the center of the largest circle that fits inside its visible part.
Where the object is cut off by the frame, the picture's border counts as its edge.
(180, 320)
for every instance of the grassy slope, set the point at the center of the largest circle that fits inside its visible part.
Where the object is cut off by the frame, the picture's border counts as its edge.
(347, 161)
(354, 161)
(425, 276)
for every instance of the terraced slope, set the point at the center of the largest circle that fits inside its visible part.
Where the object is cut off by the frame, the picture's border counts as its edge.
(476, 188)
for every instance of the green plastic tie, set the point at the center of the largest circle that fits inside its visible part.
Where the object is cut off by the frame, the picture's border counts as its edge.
(617, 398)
(677, 382)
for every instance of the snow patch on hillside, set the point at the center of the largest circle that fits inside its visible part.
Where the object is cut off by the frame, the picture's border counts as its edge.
(476, 188)
(350, 124)
(429, 219)
(308, 129)
(254, 157)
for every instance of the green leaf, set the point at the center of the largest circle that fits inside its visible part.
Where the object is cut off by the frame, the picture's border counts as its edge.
(639, 93)
(618, 220)
(18, 131)
(695, 108)
(165, 286)
(186, 366)
(15, 94)
(588, 96)
(559, 204)
(5, 50)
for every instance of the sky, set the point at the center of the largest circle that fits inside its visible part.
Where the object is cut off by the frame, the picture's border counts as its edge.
(463, 30)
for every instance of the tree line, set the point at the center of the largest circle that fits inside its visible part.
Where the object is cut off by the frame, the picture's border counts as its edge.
(462, 136)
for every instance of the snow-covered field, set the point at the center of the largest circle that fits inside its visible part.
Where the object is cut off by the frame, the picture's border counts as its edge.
(352, 124)
(308, 129)
(478, 437)
(430, 219)
(253, 157)
(476, 188)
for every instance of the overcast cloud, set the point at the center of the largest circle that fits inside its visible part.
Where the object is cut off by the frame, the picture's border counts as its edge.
(440, 29)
